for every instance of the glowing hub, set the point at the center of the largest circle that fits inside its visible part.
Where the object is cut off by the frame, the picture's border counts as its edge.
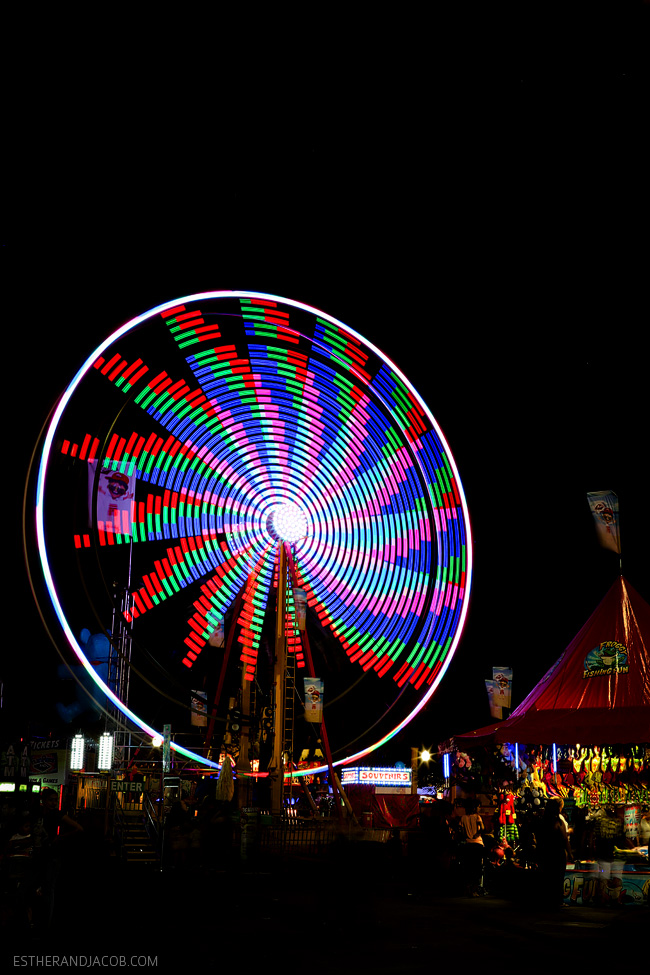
(287, 522)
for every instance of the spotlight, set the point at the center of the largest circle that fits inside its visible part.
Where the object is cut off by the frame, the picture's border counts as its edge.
(77, 750)
(105, 760)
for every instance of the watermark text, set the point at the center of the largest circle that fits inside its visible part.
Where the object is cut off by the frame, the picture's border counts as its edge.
(85, 961)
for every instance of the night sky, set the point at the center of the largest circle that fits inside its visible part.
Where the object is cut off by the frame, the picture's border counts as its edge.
(487, 232)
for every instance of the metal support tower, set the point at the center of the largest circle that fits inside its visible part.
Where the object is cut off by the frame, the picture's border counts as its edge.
(119, 661)
(277, 762)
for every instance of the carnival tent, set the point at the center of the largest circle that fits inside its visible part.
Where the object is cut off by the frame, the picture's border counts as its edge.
(598, 691)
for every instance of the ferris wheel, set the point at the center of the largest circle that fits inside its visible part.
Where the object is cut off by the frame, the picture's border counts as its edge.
(208, 435)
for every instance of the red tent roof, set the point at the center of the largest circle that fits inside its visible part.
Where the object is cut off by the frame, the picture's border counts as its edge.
(599, 689)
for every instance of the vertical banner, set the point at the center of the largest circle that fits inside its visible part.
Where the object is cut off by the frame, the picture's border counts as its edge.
(199, 705)
(604, 508)
(495, 710)
(313, 699)
(217, 637)
(502, 679)
(300, 602)
(115, 499)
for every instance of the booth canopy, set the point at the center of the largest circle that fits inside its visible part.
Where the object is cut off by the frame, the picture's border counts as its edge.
(597, 692)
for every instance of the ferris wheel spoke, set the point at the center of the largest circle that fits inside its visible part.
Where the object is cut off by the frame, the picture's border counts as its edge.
(251, 616)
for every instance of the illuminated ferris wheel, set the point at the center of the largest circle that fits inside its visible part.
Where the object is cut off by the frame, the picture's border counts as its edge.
(212, 435)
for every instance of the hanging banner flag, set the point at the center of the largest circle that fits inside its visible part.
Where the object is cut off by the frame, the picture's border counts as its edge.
(495, 710)
(115, 499)
(604, 508)
(502, 680)
(300, 602)
(199, 704)
(217, 637)
(313, 699)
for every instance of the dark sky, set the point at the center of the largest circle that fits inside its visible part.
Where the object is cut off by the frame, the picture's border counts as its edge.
(488, 231)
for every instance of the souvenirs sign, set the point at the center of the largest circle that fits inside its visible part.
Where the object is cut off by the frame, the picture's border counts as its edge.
(376, 776)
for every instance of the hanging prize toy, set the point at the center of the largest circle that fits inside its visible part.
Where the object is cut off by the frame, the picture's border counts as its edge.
(508, 817)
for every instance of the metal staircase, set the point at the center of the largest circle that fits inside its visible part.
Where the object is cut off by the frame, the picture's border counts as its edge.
(137, 837)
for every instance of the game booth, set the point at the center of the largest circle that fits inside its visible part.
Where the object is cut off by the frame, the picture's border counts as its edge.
(583, 735)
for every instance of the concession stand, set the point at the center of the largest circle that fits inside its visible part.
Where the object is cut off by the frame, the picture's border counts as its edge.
(382, 798)
(583, 735)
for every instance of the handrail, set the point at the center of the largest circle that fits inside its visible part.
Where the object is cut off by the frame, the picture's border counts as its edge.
(151, 820)
(118, 812)
(119, 823)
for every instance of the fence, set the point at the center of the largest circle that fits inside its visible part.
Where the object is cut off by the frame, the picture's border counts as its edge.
(290, 836)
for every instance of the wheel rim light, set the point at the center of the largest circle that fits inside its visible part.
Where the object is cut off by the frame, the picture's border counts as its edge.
(327, 537)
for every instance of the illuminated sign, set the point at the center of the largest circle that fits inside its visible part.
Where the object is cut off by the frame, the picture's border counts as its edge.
(119, 785)
(376, 776)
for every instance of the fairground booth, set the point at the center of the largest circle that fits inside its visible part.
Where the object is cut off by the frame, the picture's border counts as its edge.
(583, 735)
(382, 798)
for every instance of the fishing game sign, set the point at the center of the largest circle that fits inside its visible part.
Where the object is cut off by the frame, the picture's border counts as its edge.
(609, 657)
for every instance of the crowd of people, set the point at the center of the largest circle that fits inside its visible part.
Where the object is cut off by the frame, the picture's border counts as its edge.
(474, 850)
(478, 853)
(31, 853)
(203, 840)
(531, 860)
